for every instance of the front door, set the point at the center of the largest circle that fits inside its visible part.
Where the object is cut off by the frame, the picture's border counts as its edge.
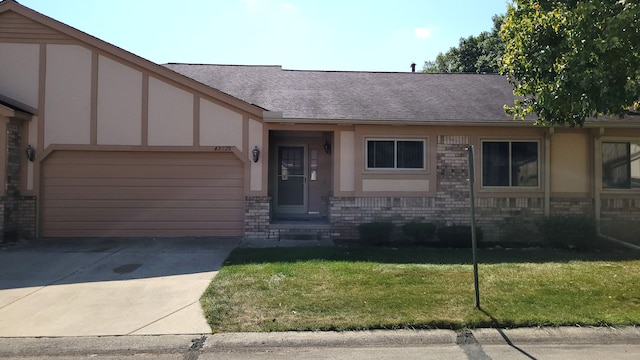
(292, 186)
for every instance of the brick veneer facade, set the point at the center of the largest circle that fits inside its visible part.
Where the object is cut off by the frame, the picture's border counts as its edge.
(449, 206)
(622, 214)
(257, 217)
(500, 217)
(18, 212)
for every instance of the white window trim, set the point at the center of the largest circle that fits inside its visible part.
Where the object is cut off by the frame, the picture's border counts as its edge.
(395, 159)
(510, 187)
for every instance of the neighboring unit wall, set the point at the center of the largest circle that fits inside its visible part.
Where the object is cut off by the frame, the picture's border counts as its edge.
(90, 97)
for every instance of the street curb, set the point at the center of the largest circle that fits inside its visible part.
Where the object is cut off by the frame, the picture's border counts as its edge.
(25, 346)
(559, 335)
(486, 336)
(332, 339)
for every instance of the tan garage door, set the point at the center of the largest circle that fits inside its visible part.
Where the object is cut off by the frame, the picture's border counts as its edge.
(98, 194)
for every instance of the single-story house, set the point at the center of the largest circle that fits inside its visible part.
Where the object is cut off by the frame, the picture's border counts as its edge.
(98, 142)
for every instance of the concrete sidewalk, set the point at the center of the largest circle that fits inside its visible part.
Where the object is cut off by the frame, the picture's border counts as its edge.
(97, 287)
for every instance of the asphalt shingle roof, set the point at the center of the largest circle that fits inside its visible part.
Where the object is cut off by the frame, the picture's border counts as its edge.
(342, 95)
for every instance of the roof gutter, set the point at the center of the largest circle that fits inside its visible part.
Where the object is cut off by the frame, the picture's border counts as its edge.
(276, 117)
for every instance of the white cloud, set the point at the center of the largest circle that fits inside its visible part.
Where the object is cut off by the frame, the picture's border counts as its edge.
(422, 33)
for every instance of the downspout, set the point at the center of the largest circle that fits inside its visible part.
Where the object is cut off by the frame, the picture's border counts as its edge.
(547, 171)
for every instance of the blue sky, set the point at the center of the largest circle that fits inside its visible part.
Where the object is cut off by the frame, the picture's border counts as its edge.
(367, 35)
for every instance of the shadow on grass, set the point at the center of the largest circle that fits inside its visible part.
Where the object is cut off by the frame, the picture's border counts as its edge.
(418, 255)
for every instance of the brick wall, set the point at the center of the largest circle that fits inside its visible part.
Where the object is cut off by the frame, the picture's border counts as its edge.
(346, 213)
(621, 218)
(18, 211)
(452, 188)
(257, 217)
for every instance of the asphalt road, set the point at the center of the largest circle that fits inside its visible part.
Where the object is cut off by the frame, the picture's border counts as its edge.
(544, 343)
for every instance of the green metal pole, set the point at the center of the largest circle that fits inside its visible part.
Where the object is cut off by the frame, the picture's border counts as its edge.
(474, 244)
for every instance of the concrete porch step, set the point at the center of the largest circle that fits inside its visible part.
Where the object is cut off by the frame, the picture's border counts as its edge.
(304, 234)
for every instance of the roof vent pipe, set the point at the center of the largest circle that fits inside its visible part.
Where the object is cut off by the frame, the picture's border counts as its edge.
(413, 67)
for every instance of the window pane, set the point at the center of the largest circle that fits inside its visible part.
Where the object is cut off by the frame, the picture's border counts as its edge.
(379, 154)
(634, 155)
(495, 163)
(615, 166)
(620, 165)
(524, 164)
(410, 154)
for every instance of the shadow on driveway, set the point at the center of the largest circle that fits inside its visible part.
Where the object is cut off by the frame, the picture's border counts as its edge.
(68, 261)
(92, 287)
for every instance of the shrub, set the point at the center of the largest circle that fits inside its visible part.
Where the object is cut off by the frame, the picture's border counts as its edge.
(375, 233)
(518, 231)
(458, 236)
(420, 232)
(575, 231)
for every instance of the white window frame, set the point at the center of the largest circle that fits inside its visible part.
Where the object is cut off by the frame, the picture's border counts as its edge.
(395, 153)
(511, 186)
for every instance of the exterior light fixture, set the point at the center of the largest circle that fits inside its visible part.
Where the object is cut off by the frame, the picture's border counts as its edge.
(31, 152)
(327, 147)
(256, 154)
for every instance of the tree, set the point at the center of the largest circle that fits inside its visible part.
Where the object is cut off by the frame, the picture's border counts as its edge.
(473, 54)
(570, 60)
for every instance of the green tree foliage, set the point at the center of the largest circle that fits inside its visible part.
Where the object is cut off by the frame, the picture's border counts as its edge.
(474, 54)
(572, 59)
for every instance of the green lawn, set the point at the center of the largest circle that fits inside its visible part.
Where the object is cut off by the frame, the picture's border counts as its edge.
(348, 288)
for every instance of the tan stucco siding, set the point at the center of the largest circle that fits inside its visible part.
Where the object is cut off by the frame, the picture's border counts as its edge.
(119, 113)
(347, 161)
(570, 163)
(255, 139)
(219, 126)
(170, 115)
(68, 95)
(19, 72)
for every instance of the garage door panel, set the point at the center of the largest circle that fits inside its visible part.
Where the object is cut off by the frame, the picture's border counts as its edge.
(118, 171)
(87, 194)
(142, 182)
(142, 193)
(126, 225)
(134, 232)
(62, 204)
(142, 215)
(143, 158)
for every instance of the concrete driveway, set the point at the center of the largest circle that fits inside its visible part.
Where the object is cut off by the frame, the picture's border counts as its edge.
(92, 287)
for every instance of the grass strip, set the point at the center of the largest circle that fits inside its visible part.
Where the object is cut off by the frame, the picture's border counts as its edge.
(356, 288)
